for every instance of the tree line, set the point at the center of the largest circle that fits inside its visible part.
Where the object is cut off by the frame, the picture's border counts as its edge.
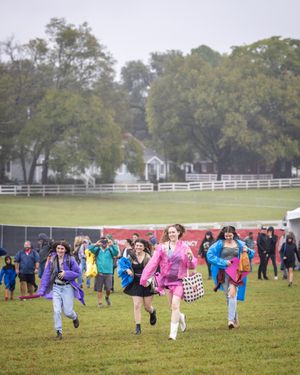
(62, 108)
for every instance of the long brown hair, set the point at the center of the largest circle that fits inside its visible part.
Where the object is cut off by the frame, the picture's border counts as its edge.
(179, 227)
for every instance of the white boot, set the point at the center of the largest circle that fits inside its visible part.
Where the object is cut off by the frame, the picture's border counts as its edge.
(182, 322)
(173, 331)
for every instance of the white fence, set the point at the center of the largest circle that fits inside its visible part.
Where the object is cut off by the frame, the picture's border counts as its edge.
(44, 190)
(73, 189)
(226, 177)
(230, 185)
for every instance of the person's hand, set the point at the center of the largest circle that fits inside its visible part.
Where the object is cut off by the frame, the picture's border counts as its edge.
(36, 271)
(245, 249)
(129, 272)
(190, 255)
(98, 243)
(284, 258)
(61, 275)
(109, 242)
(229, 262)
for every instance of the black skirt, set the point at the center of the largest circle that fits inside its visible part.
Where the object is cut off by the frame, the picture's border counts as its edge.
(135, 289)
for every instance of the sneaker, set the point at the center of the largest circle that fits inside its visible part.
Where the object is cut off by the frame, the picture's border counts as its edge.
(58, 335)
(153, 318)
(236, 323)
(290, 284)
(231, 324)
(100, 305)
(76, 322)
(275, 277)
(107, 301)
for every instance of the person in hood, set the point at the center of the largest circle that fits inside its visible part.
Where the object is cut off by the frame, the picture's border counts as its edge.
(271, 250)
(9, 273)
(288, 252)
(44, 247)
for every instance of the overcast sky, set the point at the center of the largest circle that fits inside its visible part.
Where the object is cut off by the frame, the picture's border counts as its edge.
(132, 29)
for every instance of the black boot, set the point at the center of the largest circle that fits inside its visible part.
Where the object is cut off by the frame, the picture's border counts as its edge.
(138, 330)
(153, 317)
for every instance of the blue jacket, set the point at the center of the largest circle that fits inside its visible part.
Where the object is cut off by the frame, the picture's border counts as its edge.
(123, 265)
(217, 263)
(105, 257)
(10, 275)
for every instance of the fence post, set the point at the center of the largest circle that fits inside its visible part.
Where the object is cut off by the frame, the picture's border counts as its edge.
(43, 191)
(28, 190)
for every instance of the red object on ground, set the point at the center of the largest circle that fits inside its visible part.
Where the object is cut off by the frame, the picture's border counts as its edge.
(30, 297)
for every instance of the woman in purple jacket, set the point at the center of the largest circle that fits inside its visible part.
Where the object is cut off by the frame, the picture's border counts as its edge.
(58, 283)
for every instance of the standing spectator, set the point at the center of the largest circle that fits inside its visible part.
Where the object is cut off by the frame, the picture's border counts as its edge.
(152, 241)
(220, 255)
(271, 250)
(9, 273)
(44, 244)
(281, 241)
(105, 251)
(58, 283)
(2, 251)
(249, 241)
(82, 261)
(27, 265)
(204, 246)
(262, 252)
(127, 248)
(174, 258)
(135, 237)
(289, 251)
(140, 295)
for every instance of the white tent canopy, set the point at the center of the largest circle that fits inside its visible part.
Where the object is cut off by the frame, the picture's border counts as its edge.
(293, 215)
(293, 222)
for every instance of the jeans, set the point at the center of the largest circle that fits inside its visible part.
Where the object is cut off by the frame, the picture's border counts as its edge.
(63, 298)
(273, 258)
(83, 269)
(231, 301)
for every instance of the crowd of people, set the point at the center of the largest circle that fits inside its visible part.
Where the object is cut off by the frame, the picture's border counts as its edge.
(146, 267)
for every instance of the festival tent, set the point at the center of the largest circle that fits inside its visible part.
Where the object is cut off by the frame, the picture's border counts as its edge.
(293, 222)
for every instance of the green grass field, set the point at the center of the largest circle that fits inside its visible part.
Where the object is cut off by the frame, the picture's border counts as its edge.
(150, 208)
(266, 343)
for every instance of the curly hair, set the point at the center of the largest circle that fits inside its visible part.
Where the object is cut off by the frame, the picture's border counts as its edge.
(179, 227)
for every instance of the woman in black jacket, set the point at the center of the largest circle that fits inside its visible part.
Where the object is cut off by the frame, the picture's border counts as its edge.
(207, 241)
(288, 251)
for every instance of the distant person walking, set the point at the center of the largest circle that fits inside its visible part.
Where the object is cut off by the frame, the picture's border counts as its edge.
(288, 252)
(271, 250)
(44, 247)
(221, 255)
(27, 265)
(204, 246)
(174, 257)
(262, 252)
(58, 283)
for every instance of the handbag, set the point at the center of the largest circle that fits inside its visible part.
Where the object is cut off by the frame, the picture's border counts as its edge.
(244, 264)
(193, 288)
(152, 282)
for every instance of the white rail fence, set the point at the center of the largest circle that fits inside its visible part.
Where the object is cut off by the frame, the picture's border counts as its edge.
(29, 190)
(189, 177)
(73, 189)
(230, 185)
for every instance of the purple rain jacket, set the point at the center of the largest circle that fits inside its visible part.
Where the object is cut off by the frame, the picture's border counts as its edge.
(71, 273)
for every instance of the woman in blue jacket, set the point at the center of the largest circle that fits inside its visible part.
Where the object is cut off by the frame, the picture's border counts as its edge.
(220, 256)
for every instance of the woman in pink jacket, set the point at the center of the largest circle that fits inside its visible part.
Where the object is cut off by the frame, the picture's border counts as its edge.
(174, 257)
